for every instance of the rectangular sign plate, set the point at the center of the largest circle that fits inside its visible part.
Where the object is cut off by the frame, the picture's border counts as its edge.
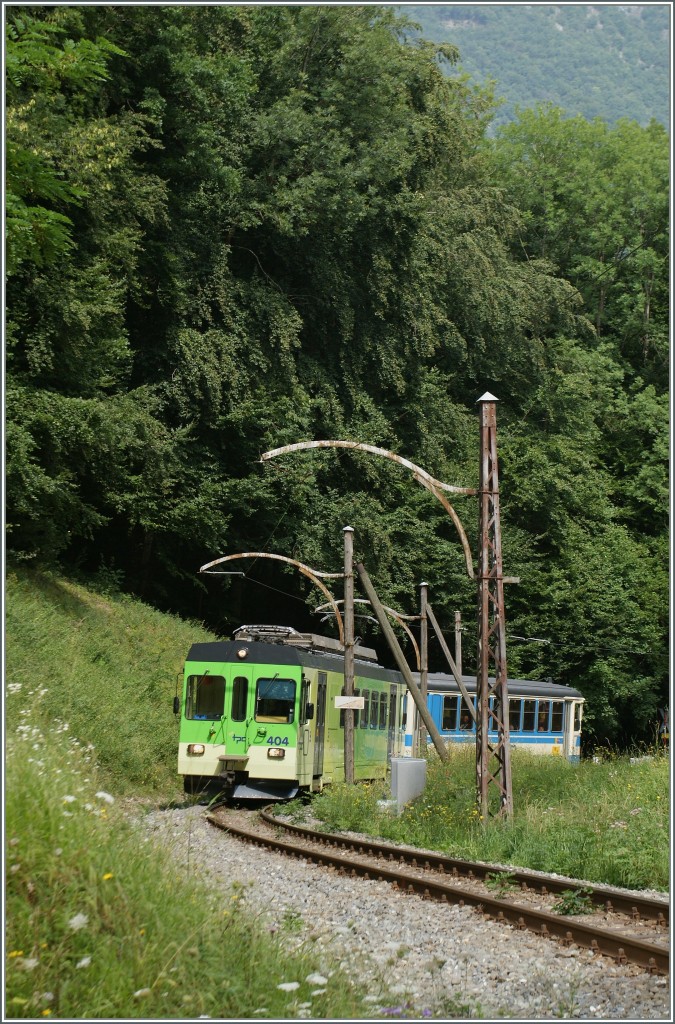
(357, 703)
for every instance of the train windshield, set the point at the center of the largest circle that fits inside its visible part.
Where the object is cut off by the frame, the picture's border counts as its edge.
(275, 700)
(205, 697)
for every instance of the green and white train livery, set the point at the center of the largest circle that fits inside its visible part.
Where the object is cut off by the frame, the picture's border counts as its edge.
(258, 714)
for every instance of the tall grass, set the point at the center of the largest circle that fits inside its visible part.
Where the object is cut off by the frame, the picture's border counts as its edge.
(603, 822)
(102, 925)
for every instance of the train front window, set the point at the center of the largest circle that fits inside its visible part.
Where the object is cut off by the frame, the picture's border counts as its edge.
(449, 714)
(557, 716)
(275, 700)
(205, 697)
(577, 717)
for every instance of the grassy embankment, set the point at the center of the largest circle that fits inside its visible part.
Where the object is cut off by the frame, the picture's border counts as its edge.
(100, 924)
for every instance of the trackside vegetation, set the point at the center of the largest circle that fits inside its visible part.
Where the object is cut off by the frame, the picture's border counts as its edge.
(604, 820)
(101, 926)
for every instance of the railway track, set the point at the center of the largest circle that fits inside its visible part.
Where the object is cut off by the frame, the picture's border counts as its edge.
(625, 928)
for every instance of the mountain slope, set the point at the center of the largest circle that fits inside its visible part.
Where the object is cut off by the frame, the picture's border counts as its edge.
(607, 61)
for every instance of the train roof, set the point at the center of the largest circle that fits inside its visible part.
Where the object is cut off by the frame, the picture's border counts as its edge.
(275, 653)
(442, 682)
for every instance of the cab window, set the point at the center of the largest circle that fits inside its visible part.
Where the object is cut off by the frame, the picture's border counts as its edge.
(577, 717)
(274, 700)
(205, 697)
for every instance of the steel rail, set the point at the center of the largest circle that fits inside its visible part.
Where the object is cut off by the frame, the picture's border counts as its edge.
(607, 899)
(622, 948)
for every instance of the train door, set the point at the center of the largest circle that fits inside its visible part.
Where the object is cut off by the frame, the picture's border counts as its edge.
(573, 730)
(320, 729)
(239, 702)
(391, 734)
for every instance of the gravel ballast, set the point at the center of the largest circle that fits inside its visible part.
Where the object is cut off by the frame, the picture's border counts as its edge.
(410, 957)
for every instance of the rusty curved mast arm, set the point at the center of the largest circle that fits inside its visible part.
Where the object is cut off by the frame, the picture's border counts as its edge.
(311, 574)
(425, 479)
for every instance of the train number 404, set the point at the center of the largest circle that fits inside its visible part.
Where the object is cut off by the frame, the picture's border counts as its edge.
(278, 741)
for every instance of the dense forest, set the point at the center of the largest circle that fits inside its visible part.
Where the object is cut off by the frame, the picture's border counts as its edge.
(231, 228)
(604, 60)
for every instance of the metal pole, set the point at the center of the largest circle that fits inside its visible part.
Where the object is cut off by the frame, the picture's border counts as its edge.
(493, 762)
(413, 688)
(458, 641)
(421, 737)
(348, 533)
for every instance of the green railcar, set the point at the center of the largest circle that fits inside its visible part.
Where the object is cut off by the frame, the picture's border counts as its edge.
(258, 714)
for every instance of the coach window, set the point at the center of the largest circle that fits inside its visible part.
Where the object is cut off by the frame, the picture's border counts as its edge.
(383, 711)
(465, 719)
(543, 715)
(449, 714)
(529, 716)
(577, 717)
(374, 705)
(205, 697)
(514, 715)
(363, 721)
(557, 716)
(275, 700)
(239, 698)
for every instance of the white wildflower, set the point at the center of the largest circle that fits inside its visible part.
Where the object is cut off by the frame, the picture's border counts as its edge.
(105, 796)
(14, 868)
(13, 687)
(29, 963)
(78, 922)
(84, 962)
(316, 979)
(58, 851)
(289, 986)
(318, 991)
(142, 992)
(46, 997)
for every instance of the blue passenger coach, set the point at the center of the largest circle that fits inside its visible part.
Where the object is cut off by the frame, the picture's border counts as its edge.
(544, 717)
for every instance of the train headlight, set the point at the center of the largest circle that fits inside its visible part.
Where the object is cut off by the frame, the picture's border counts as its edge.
(242, 652)
(276, 752)
(196, 749)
